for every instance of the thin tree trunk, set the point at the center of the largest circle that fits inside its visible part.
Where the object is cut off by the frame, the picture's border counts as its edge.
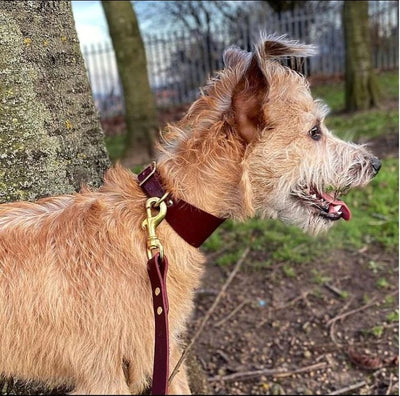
(141, 119)
(51, 140)
(362, 90)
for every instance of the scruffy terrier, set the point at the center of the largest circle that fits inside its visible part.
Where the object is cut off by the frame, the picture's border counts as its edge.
(75, 295)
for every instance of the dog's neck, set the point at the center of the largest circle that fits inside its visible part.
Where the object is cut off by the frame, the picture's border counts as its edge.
(215, 186)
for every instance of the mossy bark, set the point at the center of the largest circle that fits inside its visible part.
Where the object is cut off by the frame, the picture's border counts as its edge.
(51, 141)
(141, 119)
(362, 90)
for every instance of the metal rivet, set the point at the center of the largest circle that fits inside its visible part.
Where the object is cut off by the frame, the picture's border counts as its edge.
(157, 291)
(159, 311)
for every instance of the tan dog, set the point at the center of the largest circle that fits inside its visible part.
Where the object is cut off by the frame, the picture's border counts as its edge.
(75, 298)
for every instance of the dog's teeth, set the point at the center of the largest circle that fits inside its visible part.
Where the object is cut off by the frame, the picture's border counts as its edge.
(337, 208)
(339, 212)
(314, 196)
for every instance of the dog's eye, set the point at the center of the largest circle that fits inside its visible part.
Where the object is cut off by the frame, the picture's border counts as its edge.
(315, 133)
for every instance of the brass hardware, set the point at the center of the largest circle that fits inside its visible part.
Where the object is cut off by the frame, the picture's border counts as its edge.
(151, 223)
(162, 199)
(157, 291)
(159, 310)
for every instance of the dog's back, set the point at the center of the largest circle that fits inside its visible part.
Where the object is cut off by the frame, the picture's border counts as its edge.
(69, 285)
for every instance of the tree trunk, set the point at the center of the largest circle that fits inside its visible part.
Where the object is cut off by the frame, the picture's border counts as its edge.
(51, 140)
(141, 119)
(362, 90)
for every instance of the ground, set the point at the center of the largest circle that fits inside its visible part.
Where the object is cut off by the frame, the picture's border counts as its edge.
(269, 320)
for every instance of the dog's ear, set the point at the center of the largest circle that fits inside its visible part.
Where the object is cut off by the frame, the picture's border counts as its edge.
(256, 70)
(274, 51)
(247, 100)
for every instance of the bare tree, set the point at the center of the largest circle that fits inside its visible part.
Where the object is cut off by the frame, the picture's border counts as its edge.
(200, 16)
(362, 90)
(140, 113)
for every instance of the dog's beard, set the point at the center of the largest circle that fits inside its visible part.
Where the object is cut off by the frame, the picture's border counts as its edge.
(291, 211)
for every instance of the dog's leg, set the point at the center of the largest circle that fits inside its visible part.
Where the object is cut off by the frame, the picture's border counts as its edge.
(179, 384)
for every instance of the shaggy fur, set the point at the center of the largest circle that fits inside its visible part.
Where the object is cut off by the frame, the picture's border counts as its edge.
(75, 298)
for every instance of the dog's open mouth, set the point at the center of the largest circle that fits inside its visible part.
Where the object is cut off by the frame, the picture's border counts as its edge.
(326, 204)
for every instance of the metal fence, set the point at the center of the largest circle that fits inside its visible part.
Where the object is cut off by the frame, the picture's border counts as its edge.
(180, 63)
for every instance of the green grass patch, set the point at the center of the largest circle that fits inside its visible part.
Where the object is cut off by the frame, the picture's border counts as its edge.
(361, 125)
(115, 146)
(364, 125)
(333, 93)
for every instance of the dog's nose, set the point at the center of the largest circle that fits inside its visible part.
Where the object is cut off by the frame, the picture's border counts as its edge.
(376, 164)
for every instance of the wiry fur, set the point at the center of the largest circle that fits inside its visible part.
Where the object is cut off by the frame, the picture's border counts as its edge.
(75, 298)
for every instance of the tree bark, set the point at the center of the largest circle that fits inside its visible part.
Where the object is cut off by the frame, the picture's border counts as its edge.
(51, 140)
(362, 90)
(141, 119)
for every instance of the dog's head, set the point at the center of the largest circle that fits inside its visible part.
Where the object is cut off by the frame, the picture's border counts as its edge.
(291, 166)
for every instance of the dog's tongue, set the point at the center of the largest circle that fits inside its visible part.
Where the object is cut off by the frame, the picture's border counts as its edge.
(337, 206)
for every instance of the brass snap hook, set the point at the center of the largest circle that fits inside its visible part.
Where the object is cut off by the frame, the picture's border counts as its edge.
(151, 223)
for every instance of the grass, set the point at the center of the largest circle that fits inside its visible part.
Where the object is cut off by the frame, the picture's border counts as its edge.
(333, 93)
(115, 146)
(366, 124)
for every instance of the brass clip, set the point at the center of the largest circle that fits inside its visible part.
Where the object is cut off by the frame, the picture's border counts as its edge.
(151, 223)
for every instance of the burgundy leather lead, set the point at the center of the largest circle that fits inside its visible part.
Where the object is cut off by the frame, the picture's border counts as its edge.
(157, 270)
(194, 226)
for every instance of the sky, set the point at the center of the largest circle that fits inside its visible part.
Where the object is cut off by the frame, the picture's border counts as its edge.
(90, 22)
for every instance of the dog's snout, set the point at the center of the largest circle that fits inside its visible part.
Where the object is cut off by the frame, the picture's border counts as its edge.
(376, 164)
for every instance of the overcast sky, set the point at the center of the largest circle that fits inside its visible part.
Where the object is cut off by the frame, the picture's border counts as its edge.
(91, 23)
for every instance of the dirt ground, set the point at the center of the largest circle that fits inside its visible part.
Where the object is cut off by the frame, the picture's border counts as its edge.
(268, 322)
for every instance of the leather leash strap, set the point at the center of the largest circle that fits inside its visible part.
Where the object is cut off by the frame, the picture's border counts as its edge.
(189, 222)
(157, 270)
(194, 226)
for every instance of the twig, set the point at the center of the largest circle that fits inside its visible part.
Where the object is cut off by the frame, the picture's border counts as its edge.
(353, 311)
(332, 328)
(334, 289)
(209, 312)
(389, 389)
(274, 372)
(292, 302)
(238, 308)
(348, 388)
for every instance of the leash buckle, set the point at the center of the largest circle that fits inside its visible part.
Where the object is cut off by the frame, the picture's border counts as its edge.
(151, 223)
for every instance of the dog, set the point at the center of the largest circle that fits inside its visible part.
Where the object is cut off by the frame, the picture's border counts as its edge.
(75, 296)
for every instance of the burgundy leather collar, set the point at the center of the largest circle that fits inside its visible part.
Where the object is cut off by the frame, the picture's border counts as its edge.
(191, 223)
